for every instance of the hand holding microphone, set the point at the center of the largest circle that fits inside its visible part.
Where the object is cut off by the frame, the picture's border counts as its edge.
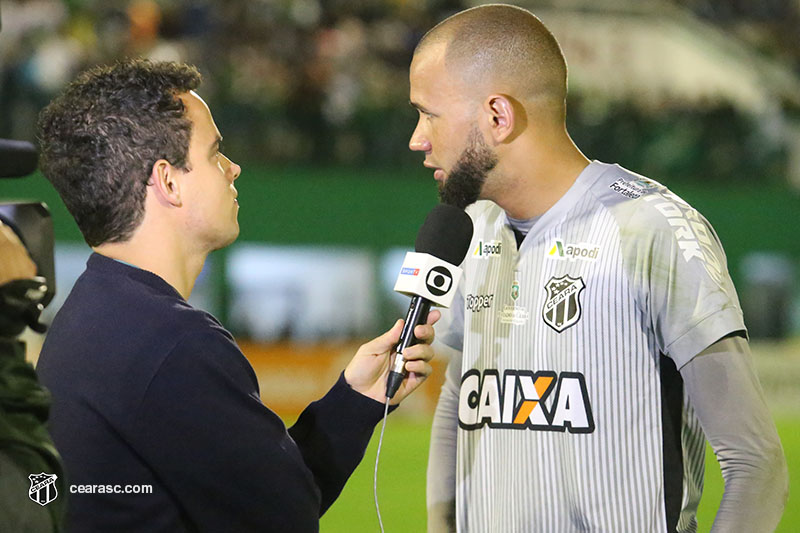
(366, 373)
(429, 275)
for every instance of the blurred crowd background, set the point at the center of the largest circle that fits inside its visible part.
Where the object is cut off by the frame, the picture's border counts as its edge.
(312, 99)
(693, 89)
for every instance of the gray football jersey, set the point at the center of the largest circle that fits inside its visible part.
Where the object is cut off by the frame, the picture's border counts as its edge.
(571, 411)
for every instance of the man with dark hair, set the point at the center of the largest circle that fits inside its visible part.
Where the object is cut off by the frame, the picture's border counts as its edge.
(611, 341)
(155, 409)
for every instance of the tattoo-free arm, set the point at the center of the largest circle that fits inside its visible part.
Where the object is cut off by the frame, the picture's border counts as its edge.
(724, 390)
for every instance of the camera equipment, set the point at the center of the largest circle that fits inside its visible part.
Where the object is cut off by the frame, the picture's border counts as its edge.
(22, 301)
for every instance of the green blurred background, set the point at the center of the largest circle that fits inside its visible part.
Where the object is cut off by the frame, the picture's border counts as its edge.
(311, 97)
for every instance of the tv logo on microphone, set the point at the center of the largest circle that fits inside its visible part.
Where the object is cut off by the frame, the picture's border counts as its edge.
(429, 277)
(439, 281)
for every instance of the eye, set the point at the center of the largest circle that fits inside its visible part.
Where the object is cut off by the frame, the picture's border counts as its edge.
(218, 153)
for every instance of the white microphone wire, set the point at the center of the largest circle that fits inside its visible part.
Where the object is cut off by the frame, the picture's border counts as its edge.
(377, 459)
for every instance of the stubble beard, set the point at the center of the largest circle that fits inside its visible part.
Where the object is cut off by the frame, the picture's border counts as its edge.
(465, 182)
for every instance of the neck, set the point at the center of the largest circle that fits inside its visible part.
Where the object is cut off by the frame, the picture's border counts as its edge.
(536, 174)
(163, 255)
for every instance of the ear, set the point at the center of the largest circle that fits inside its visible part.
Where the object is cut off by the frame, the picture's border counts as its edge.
(500, 111)
(165, 180)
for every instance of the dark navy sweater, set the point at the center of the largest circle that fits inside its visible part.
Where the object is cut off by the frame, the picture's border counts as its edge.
(148, 390)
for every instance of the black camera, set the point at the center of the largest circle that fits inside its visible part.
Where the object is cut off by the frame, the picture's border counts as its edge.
(22, 301)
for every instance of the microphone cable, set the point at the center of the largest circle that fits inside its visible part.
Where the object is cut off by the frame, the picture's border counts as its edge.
(377, 459)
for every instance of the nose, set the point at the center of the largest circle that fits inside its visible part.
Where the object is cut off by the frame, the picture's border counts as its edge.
(419, 141)
(233, 169)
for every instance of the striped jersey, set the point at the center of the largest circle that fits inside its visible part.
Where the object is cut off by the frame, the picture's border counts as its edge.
(571, 411)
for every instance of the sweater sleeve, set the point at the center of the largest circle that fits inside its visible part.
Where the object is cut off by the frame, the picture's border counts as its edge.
(226, 459)
(332, 434)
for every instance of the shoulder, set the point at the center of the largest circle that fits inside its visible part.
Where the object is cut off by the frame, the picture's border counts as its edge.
(208, 348)
(644, 208)
(123, 324)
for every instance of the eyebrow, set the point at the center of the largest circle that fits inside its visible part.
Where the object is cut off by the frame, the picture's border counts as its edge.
(420, 107)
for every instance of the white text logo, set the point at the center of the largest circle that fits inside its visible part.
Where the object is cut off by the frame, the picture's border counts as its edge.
(521, 399)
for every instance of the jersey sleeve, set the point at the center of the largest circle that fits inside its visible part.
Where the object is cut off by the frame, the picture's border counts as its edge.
(682, 275)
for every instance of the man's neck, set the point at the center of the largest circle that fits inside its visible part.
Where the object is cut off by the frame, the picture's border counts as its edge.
(163, 258)
(534, 180)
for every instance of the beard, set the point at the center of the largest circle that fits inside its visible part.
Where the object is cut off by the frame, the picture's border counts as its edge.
(465, 182)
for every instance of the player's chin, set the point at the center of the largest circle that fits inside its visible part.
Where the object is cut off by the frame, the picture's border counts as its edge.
(228, 238)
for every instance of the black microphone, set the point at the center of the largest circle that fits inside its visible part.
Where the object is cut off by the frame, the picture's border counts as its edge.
(430, 275)
(17, 158)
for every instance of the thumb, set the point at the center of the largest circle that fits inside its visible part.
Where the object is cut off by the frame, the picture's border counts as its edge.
(385, 342)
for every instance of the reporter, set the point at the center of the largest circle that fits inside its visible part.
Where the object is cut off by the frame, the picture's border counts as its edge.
(149, 391)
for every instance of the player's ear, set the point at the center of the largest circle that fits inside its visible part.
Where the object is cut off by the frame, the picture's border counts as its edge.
(166, 183)
(501, 113)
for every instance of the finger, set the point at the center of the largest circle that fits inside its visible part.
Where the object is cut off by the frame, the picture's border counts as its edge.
(422, 352)
(434, 316)
(421, 369)
(385, 342)
(424, 333)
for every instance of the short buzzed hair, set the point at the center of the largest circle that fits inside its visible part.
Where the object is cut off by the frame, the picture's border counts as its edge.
(505, 44)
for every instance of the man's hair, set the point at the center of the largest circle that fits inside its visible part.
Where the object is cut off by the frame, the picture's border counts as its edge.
(100, 138)
(505, 44)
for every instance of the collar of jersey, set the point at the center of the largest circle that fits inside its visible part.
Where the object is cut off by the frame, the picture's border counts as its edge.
(575, 193)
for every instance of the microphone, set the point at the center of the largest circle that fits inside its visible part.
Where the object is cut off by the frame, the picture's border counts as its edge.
(430, 275)
(17, 158)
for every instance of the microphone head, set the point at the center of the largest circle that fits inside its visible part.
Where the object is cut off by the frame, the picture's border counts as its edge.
(445, 234)
(17, 158)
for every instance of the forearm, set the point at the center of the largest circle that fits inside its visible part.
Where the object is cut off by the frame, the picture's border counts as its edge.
(332, 434)
(441, 481)
(725, 393)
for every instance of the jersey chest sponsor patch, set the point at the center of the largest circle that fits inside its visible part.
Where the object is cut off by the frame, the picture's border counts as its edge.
(520, 401)
(486, 249)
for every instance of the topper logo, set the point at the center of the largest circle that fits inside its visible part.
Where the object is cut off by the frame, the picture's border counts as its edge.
(439, 281)
(406, 271)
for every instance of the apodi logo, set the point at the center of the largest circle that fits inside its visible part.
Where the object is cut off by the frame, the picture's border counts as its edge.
(487, 249)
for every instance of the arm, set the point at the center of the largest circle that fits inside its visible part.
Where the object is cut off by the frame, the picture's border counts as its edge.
(441, 477)
(723, 389)
(229, 461)
(325, 430)
(441, 489)
(16, 263)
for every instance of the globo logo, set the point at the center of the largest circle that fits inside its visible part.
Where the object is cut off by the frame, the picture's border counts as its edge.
(439, 281)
